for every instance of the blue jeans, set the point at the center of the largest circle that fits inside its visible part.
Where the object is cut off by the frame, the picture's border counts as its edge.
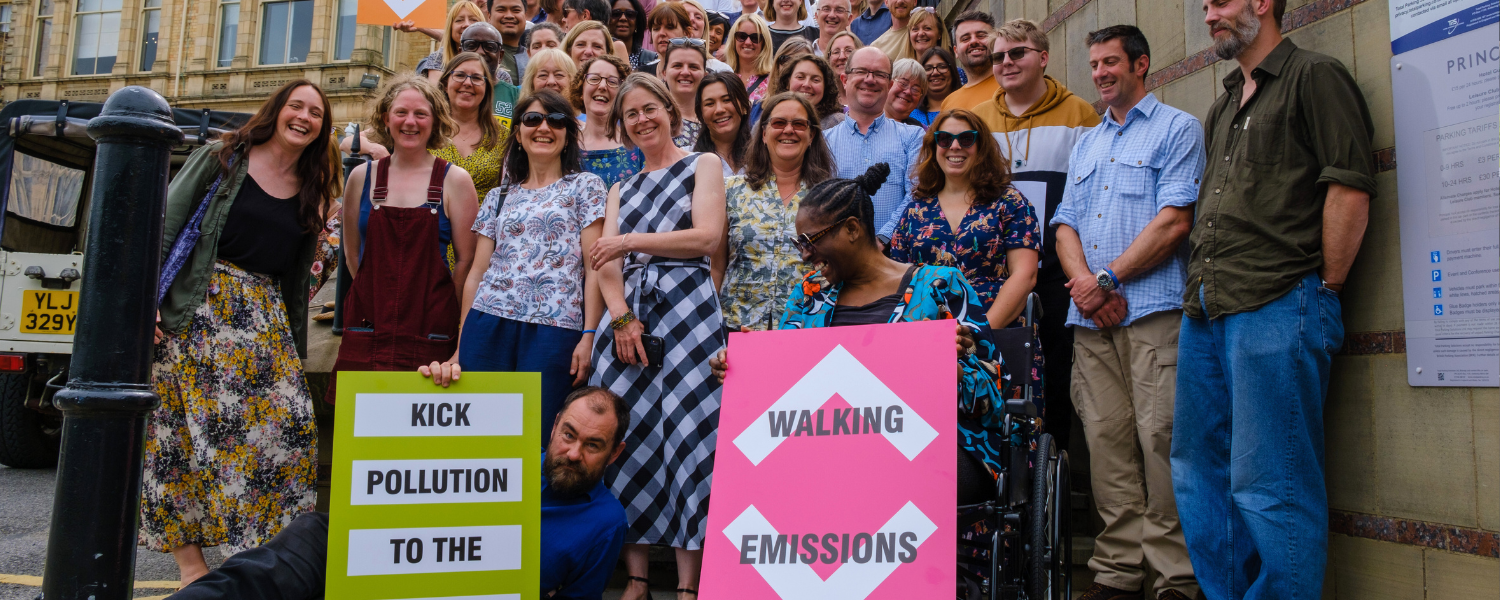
(1247, 445)
(498, 344)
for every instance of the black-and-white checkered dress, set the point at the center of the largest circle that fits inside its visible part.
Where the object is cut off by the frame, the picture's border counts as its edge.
(664, 477)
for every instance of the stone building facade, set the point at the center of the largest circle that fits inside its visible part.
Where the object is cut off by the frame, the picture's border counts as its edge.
(215, 54)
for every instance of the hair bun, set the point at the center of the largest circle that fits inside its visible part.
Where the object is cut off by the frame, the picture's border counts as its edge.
(873, 178)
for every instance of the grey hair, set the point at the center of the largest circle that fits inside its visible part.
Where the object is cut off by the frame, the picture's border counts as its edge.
(912, 70)
(651, 84)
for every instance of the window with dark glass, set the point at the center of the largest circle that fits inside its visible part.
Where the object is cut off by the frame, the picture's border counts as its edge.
(285, 32)
(96, 37)
(43, 37)
(150, 32)
(229, 32)
(343, 45)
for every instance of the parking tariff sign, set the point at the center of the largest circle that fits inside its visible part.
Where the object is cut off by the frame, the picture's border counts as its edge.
(436, 491)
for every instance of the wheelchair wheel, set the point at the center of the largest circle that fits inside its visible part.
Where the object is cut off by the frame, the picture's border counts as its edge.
(1049, 558)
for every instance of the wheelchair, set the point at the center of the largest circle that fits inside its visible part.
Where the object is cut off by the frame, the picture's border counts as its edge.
(1028, 552)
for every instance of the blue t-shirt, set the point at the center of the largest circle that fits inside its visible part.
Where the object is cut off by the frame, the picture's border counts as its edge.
(868, 27)
(581, 540)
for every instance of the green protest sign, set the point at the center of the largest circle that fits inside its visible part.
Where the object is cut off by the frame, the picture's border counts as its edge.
(436, 491)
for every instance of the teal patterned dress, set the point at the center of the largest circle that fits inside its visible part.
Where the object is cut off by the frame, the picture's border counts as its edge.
(612, 165)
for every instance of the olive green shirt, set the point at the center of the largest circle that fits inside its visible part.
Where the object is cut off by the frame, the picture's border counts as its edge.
(1259, 222)
(190, 289)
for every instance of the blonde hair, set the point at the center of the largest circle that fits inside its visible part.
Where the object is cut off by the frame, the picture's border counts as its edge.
(918, 16)
(579, 30)
(443, 126)
(562, 60)
(1022, 30)
(858, 43)
(801, 11)
(450, 43)
(702, 11)
(763, 62)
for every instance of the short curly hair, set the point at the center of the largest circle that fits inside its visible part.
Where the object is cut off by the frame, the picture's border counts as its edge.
(826, 105)
(575, 88)
(443, 126)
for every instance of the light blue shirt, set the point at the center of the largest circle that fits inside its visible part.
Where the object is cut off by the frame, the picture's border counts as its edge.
(896, 144)
(1119, 178)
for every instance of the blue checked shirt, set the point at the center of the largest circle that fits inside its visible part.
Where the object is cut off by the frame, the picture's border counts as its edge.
(1119, 178)
(896, 144)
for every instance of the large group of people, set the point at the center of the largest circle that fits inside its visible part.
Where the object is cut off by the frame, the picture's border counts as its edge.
(601, 192)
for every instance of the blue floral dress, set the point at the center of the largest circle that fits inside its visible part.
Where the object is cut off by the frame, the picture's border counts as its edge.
(612, 165)
(988, 230)
(935, 293)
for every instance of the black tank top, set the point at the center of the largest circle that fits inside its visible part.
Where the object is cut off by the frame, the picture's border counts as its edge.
(261, 233)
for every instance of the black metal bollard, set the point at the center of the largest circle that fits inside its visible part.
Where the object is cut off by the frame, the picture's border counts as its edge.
(96, 509)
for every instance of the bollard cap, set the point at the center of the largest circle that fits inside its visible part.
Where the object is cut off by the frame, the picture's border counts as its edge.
(137, 112)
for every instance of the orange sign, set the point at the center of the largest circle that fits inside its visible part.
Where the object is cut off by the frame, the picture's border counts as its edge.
(425, 13)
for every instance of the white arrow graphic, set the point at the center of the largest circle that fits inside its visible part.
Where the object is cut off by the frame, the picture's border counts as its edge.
(852, 581)
(403, 7)
(838, 373)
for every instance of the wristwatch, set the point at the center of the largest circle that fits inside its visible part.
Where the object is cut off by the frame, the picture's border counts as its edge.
(1107, 280)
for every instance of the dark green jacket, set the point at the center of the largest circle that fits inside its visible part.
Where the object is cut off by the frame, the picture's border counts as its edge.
(190, 289)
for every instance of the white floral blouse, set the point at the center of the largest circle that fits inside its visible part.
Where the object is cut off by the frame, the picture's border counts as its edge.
(536, 273)
(764, 265)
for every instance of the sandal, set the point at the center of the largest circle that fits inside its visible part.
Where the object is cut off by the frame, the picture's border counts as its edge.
(642, 580)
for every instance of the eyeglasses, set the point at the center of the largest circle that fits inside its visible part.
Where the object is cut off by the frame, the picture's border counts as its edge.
(595, 79)
(554, 120)
(475, 79)
(966, 139)
(805, 242)
(881, 75)
(475, 45)
(798, 125)
(835, 10)
(940, 67)
(1015, 54)
(624, 14)
(650, 111)
(740, 36)
(680, 42)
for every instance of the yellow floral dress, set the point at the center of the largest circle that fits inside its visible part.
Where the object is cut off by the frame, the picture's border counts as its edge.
(763, 264)
(484, 165)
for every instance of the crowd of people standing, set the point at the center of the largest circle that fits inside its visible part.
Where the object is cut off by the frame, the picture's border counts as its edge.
(601, 192)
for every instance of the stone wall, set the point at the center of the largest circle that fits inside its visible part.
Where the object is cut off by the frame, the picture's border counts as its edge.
(1412, 473)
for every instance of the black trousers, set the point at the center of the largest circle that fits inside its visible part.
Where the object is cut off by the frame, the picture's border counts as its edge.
(292, 566)
(1057, 351)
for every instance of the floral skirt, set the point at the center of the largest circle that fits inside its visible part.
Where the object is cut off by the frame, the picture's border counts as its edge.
(231, 453)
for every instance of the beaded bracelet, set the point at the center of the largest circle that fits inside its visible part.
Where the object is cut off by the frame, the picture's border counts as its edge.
(622, 320)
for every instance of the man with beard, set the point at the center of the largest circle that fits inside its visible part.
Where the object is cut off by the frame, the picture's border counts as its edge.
(1121, 233)
(1281, 213)
(583, 525)
(1037, 121)
(971, 37)
(892, 39)
(868, 137)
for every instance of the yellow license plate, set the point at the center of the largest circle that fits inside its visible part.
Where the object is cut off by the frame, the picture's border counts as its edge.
(49, 311)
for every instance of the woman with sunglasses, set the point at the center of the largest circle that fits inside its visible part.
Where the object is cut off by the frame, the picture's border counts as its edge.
(628, 23)
(751, 58)
(532, 291)
(725, 108)
(965, 213)
(411, 248)
(602, 153)
(908, 85)
(941, 81)
(471, 98)
(683, 66)
(761, 262)
(660, 228)
(856, 284)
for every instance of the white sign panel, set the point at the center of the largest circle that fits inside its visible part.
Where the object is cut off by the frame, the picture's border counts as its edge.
(437, 415)
(1447, 98)
(436, 481)
(434, 550)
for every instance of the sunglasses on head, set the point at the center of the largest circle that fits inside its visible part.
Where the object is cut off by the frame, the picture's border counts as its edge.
(554, 120)
(475, 45)
(740, 36)
(966, 139)
(681, 42)
(1015, 54)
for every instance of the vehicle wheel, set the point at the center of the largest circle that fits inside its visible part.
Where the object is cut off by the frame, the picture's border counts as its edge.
(1044, 549)
(1062, 515)
(28, 439)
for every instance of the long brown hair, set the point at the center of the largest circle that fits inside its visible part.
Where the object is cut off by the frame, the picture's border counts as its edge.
(817, 161)
(491, 135)
(826, 105)
(315, 167)
(989, 174)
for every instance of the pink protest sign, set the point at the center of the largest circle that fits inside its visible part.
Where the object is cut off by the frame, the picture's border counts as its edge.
(834, 476)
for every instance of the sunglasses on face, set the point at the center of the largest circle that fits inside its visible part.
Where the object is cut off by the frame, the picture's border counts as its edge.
(1015, 54)
(624, 14)
(595, 79)
(554, 120)
(805, 242)
(740, 36)
(798, 125)
(966, 139)
(476, 45)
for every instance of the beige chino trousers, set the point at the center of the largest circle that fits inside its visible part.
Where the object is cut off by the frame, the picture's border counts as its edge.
(1124, 382)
